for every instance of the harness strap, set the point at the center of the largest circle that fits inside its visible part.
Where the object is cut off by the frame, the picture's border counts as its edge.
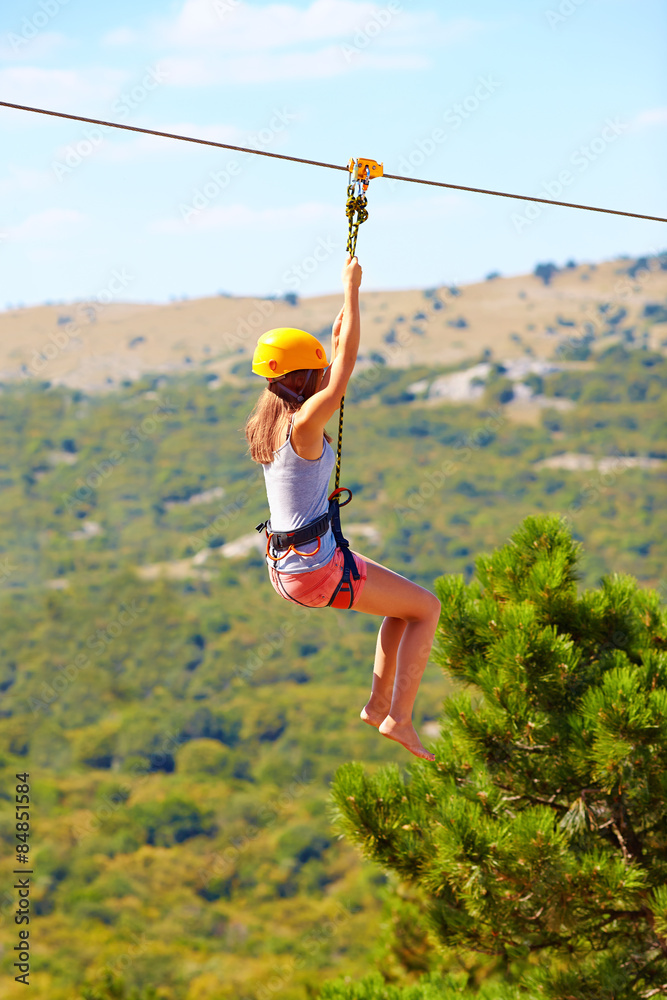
(349, 565)
(308, 533)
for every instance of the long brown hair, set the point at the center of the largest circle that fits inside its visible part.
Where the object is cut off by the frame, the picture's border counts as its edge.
(271, 409)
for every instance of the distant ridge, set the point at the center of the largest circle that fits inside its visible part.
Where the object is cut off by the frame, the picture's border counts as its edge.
(96, 346)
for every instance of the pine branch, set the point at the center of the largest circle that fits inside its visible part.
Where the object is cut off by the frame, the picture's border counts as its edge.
(658, 825)
(532, 798)
(617, 914)
(642, 972)
(620, 840)
(630, 844)
(660, 939)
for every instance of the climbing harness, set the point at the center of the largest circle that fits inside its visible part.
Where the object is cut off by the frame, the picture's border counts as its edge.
(282, 543)
(286, 541)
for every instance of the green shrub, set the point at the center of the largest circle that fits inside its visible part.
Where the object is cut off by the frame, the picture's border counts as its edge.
(203, 756)
(172, 820)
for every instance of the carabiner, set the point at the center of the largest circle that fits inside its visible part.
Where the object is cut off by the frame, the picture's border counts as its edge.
(341, 489)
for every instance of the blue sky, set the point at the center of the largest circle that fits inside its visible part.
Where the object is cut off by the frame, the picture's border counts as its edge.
(558, 98)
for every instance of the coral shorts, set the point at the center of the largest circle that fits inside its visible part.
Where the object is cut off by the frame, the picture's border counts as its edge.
(314, 589)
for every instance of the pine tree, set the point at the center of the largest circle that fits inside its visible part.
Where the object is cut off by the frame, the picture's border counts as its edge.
(540, 833)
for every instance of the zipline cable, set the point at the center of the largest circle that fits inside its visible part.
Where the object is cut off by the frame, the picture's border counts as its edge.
(330, 166)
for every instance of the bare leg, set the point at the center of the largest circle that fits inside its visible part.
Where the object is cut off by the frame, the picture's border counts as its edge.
(389, 594)
(384, 671)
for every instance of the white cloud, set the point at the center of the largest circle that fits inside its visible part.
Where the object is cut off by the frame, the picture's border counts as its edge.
(121, 36)
(114, 146)
(14, 47)
(216, 133)
(651, 117)
(51, 224)
(24, 181)
(214, 217)
(221, 217)
(233, 27)
(221, 41)
(119, 149)
(58, 89)
(428, 208)
(269, 67)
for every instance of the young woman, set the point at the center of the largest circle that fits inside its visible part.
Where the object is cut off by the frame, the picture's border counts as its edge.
(286, 435)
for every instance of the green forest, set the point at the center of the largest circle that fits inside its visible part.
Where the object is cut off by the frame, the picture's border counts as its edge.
(192, 741)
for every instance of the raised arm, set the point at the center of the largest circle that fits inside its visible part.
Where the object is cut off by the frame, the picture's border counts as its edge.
(335, 339)
(310, 421)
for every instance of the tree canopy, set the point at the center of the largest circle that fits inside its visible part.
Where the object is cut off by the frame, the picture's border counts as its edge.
(539, 836)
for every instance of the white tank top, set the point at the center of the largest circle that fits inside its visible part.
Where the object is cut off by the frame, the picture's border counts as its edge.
(297, 490)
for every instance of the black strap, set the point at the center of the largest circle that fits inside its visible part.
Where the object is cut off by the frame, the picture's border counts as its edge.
(281, 540)
(349, 563)
(344, 584)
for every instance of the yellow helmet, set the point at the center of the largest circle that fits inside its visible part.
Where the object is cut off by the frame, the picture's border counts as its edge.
(286, 350)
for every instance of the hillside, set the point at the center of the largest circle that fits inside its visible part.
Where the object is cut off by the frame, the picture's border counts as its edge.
(180, 723)
(94, 346)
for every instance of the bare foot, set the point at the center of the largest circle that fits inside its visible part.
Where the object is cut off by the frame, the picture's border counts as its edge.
(405, 734)
(372, 715)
